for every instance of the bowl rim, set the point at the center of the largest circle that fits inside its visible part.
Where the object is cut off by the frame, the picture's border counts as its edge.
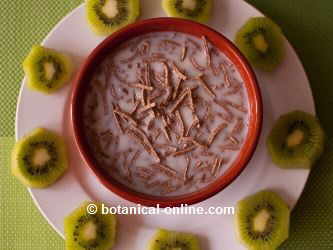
(246, 152)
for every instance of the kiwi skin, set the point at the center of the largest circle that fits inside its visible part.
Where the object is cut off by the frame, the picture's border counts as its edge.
(19, 168)
(32, 70)
(267, 35)
(165, 238)
(303, 155)
(97, 24)
(170, 8)
(251, 206)
(106, 240)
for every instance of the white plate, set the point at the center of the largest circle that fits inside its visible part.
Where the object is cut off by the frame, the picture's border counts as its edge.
(284, 90)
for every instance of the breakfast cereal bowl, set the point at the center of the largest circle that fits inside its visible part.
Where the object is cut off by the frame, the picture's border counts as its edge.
(166, 112)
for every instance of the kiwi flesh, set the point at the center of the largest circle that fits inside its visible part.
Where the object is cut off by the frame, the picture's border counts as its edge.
(262, 221)
(47, 70)
(261, 41)
(195, 10)
(90, 231)
(107, 16)
(39, 159)
(296, 140)
(171, 240)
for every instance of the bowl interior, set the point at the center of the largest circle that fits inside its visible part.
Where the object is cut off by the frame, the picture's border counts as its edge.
(155, 25)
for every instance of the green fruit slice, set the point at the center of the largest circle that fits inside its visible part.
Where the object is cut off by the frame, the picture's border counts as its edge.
(47, 70)
(171, 240)
(39, 159)
(296, 140)
(107, 16)
(261, 41)
(90, 231)
(262, 221)
(196, 10)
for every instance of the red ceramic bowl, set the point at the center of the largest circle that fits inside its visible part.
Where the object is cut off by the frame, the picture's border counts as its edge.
(167, 24)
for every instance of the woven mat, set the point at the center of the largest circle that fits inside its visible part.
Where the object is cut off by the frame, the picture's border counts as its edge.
(307, 24)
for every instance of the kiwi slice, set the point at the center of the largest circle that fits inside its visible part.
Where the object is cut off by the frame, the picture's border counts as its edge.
(39, 159)
(171, 240)
(296, 140)
(262, 221)
(107, 16)
(90, 231)
(261, 41)
(196, 10)
(47, 70)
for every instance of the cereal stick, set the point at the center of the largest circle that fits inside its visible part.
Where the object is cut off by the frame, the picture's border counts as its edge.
(183, 55)
(238, 126)
(175, 92)
(188, 161)
(155, 60)
(194, 141)
(166, 74)
(233, 140)
(234, 90)
(135, 157)
(165, 128)
(178, 71)
(230, 147)
(214, 165)
(126, 116)
(198, 164)
(166, 133)
(191, 101)
(169, 94)
(196, 65)
(219, 165)
(215, 132)
(147, 74)
(203, 83)
(180, 99)
(206, 51)
(166, 170)
(145, 48)
(156, 95)
(143, 97)
(164, 42)
(227, 80)
(240, 108)
(143, 176)
(135, 107)
(141, 86)
(184, 151)
(216, 70)
(229, 115)
(194, 123)
(181, 123)
(156, 54)
(116, 119)
(147, 107)
(158, 133)
(141, 137)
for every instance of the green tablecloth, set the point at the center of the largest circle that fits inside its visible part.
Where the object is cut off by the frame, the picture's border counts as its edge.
(307, 24)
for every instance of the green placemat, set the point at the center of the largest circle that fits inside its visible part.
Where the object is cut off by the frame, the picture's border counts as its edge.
(308, 25)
